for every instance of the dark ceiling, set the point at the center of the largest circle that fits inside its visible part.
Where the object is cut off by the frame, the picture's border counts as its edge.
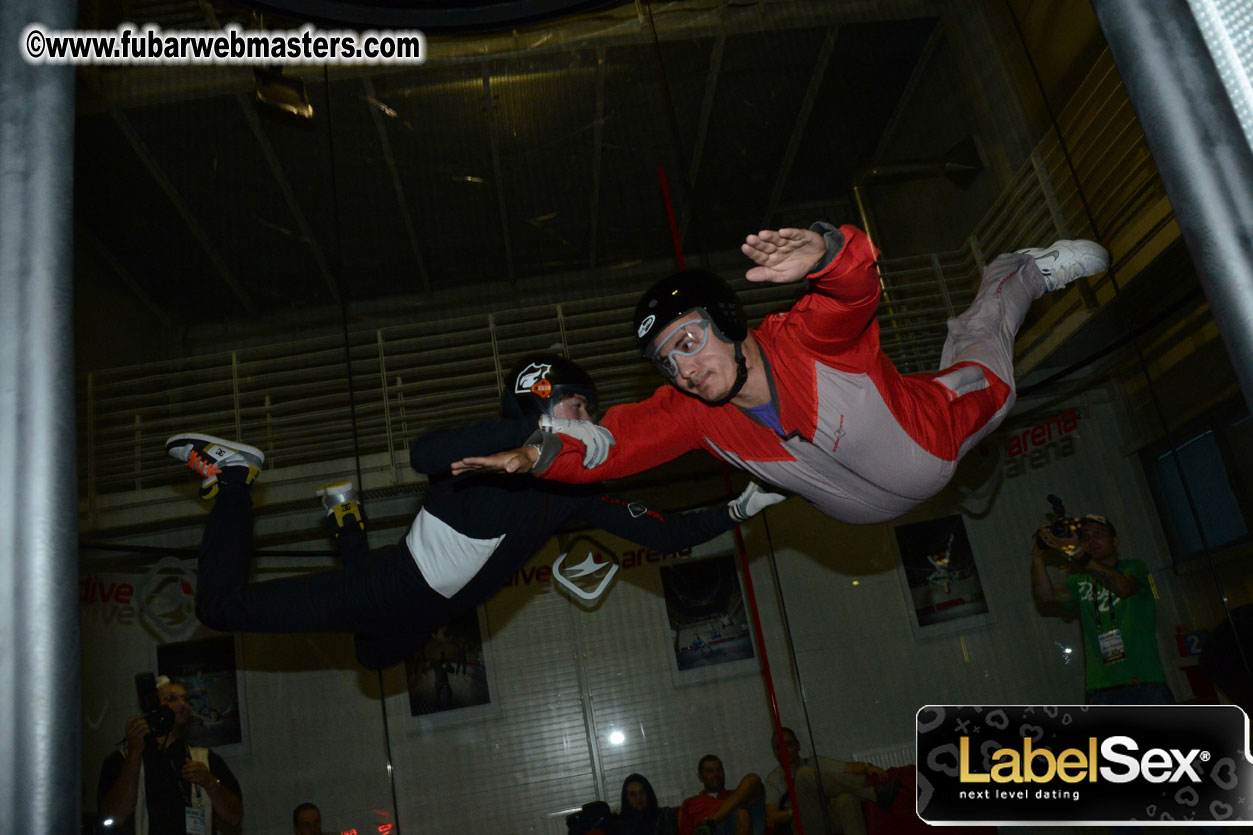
(463, 173)
(429, 15)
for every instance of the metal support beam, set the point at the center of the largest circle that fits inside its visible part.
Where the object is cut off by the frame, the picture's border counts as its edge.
(905, 103)
(250, 115)
(1201, 151)
(702, 127)
(184, 211)
(598, 132)
(497, 175)
(798, 129)
(617, 26)
(40, 655)
(401, 201)
(86, 236)
(293, 205)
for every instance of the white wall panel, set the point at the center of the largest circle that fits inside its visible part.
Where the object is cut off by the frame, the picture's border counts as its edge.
(558, 670)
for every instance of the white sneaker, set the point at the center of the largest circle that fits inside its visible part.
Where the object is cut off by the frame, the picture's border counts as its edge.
(336, 493)
(340, 501)
(1064, 261)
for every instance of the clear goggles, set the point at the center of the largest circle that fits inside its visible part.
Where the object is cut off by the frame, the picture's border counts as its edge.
(685, 340)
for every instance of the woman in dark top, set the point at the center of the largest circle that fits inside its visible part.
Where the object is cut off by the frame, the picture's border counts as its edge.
(640, 814)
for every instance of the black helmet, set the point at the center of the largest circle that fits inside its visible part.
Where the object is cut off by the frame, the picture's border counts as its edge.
(540, 381)
(682, 293)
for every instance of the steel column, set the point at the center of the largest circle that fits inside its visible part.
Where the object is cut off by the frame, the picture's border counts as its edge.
(1201, 152)
(40, 690)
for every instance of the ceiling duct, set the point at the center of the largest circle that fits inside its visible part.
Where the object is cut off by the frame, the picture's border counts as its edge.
(960, 164)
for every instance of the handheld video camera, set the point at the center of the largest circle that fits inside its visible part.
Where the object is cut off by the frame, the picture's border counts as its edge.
(1063, 527)
(160, 717)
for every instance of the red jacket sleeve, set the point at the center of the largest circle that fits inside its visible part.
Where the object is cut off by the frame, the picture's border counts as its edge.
(646, 434)
(843, 297)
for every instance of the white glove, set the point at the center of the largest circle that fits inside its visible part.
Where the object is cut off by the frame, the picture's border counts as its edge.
(597, 439)
(752, 501)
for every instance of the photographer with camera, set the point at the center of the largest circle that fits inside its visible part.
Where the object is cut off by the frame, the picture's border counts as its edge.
(158, 785)
(1117, 612)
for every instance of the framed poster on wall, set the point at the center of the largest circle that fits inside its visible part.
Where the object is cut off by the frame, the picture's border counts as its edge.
(452, 673)
(708, 622)
(207, 668)
(940, 577)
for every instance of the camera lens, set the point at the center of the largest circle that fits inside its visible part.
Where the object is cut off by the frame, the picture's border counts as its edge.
(161, 720)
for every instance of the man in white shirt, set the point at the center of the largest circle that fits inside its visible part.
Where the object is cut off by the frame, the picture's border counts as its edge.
(829, 793)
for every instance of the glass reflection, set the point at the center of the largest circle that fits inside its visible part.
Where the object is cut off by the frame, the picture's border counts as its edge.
(371, 273)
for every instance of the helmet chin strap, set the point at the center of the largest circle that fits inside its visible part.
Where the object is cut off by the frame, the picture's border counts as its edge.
(741, 376)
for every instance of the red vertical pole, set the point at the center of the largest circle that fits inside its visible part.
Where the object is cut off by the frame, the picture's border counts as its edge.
(751, 595)
(749, 592)
(674, 227)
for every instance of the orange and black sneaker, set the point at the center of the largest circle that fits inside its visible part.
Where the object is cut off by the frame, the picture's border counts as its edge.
(211, 457)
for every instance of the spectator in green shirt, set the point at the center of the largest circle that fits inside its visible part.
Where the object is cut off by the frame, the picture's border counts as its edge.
(1117, 614)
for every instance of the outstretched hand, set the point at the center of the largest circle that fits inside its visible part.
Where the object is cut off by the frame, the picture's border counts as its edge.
(519, 460)
(596, 439)
(752, 501)
(783, 256)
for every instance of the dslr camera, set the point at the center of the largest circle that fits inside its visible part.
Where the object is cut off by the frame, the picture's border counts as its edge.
(160, 717)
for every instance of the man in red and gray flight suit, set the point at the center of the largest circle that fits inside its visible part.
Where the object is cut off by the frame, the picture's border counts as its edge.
(808, 401)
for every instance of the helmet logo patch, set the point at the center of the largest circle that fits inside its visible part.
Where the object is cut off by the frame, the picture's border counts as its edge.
(542, 388)
(531, 377)
(646, 325)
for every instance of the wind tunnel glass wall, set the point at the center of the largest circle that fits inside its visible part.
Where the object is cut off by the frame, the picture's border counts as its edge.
(329, 289)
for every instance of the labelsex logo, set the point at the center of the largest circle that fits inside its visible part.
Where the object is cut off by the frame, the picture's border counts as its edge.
(1039, 765)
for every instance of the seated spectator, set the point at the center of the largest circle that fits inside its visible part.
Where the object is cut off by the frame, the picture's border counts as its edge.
(594, 818)
(718, 810)
(640, 814)
(306, 820)
(829, 793)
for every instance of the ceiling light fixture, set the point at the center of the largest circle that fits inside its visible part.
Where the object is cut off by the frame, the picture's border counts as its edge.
(282, 92)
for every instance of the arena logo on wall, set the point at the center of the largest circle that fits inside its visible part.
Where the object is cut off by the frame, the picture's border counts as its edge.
(586, 569)
(167, 599)
(540, 575)
(1039, 445)
(162, 600)
(1089, 765)
(107, 600)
